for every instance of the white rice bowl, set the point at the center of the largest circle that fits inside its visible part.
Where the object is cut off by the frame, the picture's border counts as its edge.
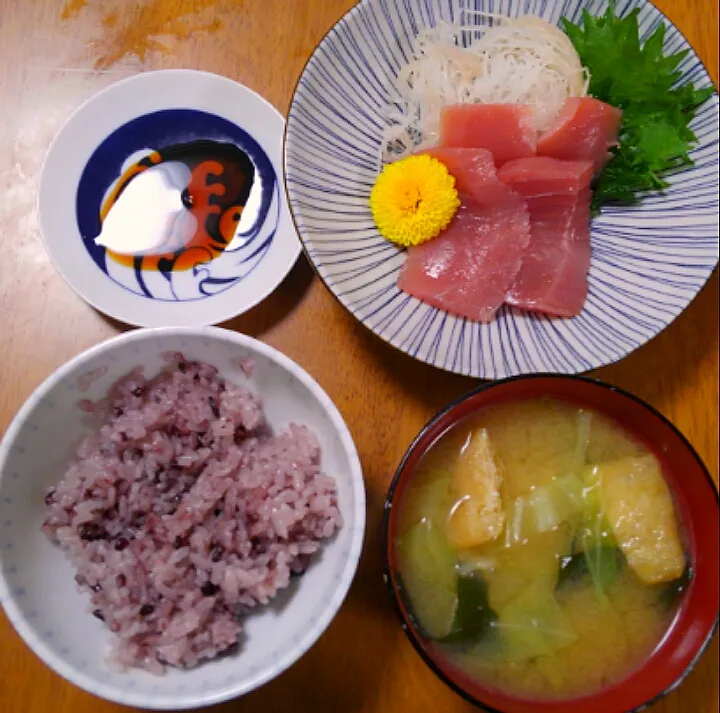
(37, 579)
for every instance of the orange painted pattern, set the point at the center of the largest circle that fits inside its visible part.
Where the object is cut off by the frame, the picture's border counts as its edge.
(214, 188)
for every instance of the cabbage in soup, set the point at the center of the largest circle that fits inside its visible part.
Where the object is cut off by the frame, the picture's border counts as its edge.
(539, 547)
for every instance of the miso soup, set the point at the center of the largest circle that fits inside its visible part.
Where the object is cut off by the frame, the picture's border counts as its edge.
(539, 547)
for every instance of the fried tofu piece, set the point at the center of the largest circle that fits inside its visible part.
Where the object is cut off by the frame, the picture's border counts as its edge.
(636, 501)
(477, 516)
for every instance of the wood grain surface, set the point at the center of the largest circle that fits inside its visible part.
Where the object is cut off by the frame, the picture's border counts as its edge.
(54, 55)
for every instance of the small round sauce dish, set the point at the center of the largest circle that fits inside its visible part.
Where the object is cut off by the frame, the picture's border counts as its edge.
(160, 200)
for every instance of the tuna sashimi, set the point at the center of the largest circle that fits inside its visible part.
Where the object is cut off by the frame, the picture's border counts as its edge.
(506, 130)
(474, 172)
(468, 269)
(584, 131)
(553, 276)
(542, 175)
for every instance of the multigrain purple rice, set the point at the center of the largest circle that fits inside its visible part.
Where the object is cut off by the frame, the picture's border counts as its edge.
(182, 510)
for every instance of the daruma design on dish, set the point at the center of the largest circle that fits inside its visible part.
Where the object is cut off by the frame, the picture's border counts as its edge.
(208, 208)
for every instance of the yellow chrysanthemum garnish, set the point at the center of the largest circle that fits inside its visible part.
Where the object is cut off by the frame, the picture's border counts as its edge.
(413, 200)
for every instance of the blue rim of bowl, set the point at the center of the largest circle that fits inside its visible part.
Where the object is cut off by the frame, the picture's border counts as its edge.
(306, 252)
(413, 635)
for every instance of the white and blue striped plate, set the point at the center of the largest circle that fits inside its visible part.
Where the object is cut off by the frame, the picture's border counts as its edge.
(648, 261)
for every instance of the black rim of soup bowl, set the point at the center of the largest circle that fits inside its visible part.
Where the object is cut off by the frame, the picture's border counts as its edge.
(396, 591)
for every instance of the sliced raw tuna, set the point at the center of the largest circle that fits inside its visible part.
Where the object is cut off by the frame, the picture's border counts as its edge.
(474, 172)
(553, 276)
(542, 175)
(468, 269)
(584, 131)
(506, 130)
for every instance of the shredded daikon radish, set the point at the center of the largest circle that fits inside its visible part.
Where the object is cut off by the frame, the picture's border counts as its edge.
(517, 61)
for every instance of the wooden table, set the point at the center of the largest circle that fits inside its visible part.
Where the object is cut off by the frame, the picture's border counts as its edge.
(52, 57)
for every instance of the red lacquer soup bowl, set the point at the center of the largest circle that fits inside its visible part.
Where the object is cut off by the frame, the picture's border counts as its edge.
(696, 500)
